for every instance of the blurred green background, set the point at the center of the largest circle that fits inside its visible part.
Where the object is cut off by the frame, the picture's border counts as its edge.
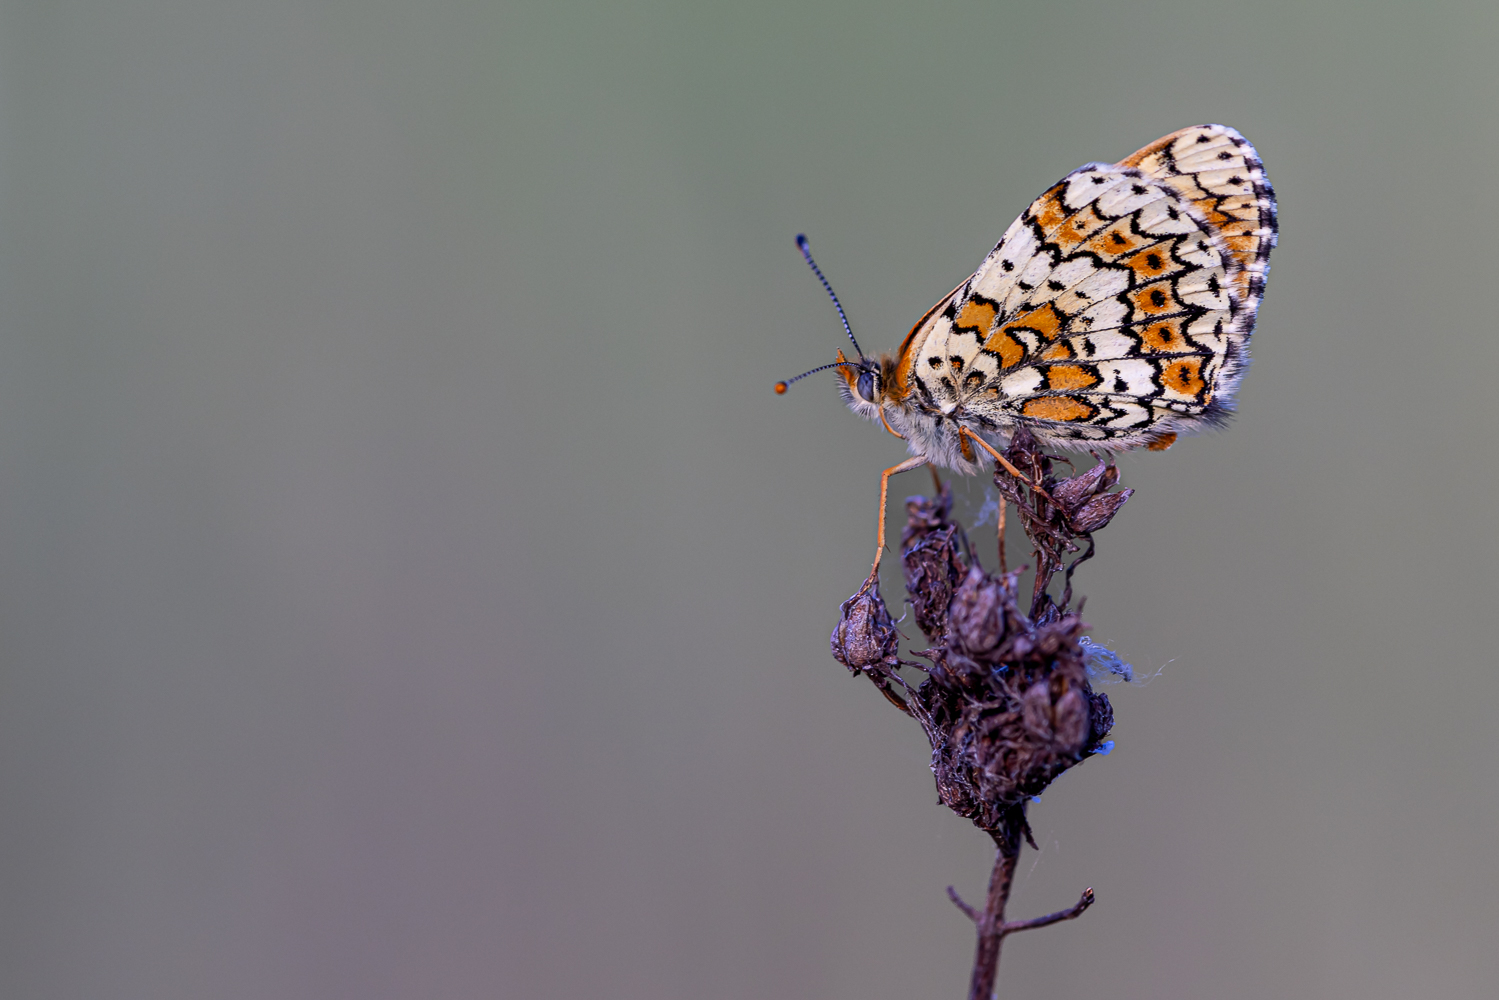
(411, 587)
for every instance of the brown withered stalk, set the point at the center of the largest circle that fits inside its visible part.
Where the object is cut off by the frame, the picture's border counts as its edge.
(1005, 700)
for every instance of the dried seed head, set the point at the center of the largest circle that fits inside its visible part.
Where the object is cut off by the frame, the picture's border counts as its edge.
(1070, 723)
(1098, 511)
(924, 514)
(1100, 718)
(1085, 505)
(965, 673)
(1070, 493)
(931, 559)
(1006, 702)
(865, 637)
(1035, 708)
(976, 615)
(933, 568)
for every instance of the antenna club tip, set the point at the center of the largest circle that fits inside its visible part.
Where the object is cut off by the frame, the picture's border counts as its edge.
(801, 240)
(781, 388)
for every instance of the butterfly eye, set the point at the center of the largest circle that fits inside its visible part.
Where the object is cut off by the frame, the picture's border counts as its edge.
(866, 385)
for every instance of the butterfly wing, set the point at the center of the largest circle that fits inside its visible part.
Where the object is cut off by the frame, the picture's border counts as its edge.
(1220, 172)
(1114, 312)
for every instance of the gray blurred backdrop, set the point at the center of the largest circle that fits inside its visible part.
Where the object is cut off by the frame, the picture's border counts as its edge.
(411, 587)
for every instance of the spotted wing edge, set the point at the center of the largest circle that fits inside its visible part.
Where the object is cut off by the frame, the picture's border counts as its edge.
(1193, 147)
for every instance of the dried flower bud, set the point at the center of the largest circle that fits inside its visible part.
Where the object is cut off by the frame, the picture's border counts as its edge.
(1063, 723)
(1070, 720)
(1098, 511)
(865, 636)
(977, 614)
(1035, 709)
(932, 569)
(1100, 718)
(1070, 493)
(1083, 500)
(926, 514)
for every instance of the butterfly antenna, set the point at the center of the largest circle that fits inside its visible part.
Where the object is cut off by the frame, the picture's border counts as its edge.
(806, 249)
(783, 386)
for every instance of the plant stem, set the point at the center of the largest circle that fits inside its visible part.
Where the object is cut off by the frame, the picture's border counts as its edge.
(991, 924)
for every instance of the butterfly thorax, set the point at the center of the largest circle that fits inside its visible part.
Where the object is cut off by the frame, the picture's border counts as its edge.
(880, 389)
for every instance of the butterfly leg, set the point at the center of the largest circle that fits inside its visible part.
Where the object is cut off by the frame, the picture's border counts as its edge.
(879, 545)
(965, 432)
(1000, 531)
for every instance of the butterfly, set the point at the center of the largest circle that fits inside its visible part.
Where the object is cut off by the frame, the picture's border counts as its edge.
(1115, 313)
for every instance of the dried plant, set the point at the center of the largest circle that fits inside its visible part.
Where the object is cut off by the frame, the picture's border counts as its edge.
(1005, 701)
